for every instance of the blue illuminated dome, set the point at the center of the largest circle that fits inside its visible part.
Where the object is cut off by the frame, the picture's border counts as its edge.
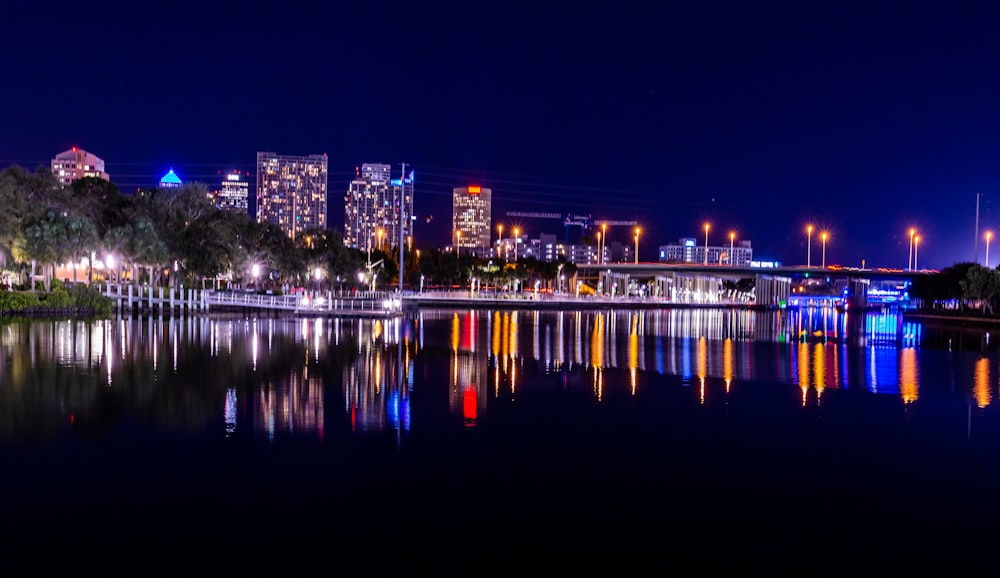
(170, 179)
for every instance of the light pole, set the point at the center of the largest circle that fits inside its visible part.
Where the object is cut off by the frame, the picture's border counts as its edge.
(823, 235)
(255, 271)
(637, 230)
(909, 260)
(989, 235)
(706, 243)
(809, 236)
(732, 239)
(458, 246)
(517, 237)
(600, 248)
(500, 241)
(916, 242)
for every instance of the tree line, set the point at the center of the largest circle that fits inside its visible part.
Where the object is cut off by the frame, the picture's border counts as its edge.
(177, 236)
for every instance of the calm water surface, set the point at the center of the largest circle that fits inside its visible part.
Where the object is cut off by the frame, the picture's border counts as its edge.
(463, 433)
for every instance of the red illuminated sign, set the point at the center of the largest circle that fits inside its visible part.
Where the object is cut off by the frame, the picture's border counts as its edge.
(475, 190)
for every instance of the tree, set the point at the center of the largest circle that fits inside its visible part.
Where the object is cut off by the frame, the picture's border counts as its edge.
(983, 285)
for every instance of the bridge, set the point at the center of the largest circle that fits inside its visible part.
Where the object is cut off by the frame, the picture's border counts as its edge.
(773, 286)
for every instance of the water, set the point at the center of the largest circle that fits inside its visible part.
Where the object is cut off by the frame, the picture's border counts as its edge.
(460, 434)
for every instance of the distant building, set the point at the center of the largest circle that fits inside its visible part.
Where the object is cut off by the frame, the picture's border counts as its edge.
(170, 180)
(75, 164)
(291, 191)
(233, 193)
(376, 206)
(471, 217)
(687, 250)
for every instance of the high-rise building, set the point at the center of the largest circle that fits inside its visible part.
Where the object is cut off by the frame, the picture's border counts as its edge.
(471, 217)
(234, 192)
(376, 206)
(170, 180)
(291, 191)
(74, 164)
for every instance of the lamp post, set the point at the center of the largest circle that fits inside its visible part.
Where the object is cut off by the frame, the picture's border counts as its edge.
(989, 235)
(706, 243)
(732, 240)
(500, 241)
(637, 231)
(824, 236)
(255, 272)
(916, 242)
(909, 260)
(458, 246)
(517, 236)
(600, 248)
(809, 236)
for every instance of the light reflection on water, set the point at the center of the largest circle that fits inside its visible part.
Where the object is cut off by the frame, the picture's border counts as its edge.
(270, 377)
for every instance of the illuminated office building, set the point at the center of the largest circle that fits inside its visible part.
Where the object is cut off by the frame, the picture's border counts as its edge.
(233, 193)
(687, 250)
(75, 164)
(291, 191)
(471, 218)
(376, 206)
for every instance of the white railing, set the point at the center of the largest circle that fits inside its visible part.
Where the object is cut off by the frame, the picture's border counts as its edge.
(317, 302)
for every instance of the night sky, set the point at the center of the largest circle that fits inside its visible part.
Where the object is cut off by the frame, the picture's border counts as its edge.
(862, 118)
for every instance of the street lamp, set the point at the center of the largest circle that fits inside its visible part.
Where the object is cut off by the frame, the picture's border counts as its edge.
(909, 261)
(824, 236)
(706, 243)
(989, 235)
(916, 242)
(380, 233)
(637, 230)
(458, 245)
(600, 248)
(500, 241)
(517, 237)
(809, 252)
(255, 272)
(732, 239)
(110, 262)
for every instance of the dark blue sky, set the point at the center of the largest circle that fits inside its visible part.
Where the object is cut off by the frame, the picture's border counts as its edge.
(863, 118)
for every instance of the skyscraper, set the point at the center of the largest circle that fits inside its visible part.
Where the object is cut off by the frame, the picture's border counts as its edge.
(376, 206)
(74, 164)
(234, 192)
(291, 191)
(471, 217)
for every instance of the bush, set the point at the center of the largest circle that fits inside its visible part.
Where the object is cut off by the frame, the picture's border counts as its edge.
(58, 298)
(90, 298)
(14, 301)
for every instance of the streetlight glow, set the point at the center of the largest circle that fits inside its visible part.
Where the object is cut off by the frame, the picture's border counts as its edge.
(732, 240)
(637, 230)
(909, 261)
(916, 242)
(824, 236)
(500, 241)
(809, 235)
(706, 243)
(989, 235)
(517, 236)
(600, 248)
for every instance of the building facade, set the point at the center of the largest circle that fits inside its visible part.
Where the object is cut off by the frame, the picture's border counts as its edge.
(75, 164)
(687, 250)
(234, 192)
(471, 218)
(378, 209)
(291, 191)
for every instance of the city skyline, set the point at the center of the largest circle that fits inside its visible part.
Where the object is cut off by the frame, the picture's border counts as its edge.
(865, 122)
